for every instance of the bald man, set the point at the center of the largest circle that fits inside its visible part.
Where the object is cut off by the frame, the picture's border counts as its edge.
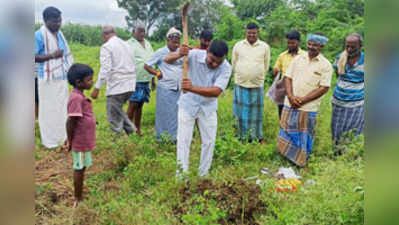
(118, 71)
(348, 98)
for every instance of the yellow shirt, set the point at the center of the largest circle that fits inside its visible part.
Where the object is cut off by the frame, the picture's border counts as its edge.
(250, 63)
(284, 60)
(307, 75)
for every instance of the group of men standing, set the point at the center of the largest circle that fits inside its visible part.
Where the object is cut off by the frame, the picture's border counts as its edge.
(306, 78)
(129, 68)
(180, 102)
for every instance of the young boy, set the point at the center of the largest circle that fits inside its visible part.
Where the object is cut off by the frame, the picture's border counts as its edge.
(81, 125)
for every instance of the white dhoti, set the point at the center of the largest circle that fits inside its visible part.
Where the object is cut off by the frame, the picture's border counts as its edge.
(53, 101)
(53, 90)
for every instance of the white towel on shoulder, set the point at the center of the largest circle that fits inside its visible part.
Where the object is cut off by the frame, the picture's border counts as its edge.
(55, 69)
(343, 59)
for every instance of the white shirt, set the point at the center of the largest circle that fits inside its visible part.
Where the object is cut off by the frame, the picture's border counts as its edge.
(118, 67)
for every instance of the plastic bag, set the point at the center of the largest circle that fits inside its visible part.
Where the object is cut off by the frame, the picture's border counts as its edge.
(276, 91)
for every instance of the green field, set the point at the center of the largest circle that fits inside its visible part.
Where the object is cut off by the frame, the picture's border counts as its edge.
(132, 180)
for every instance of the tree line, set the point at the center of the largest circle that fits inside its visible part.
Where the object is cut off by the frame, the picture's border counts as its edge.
(333, 18)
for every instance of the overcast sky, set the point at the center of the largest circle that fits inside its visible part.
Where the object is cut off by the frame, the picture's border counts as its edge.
(93, 12)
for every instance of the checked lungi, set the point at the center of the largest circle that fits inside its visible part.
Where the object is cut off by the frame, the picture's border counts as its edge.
(296, 136)
(248, 109)
(346, 119)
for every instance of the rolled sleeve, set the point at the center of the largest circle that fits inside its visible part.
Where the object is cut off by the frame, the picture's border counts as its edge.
(223, 80)
(326, 76)
(39, 43)
(291, 69)
(234, 58)
(106, 65)
(267, 58)
(278, 65)
(75, 107)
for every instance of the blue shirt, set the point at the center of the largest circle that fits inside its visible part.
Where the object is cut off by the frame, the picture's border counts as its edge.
(202, 76)
(349, 90)
(40, 50)
(171, 73)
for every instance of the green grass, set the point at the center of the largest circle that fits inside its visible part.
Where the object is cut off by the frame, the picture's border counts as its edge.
(136, 181)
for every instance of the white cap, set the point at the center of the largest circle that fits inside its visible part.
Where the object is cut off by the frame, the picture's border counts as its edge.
(173, 31)
(139, 25)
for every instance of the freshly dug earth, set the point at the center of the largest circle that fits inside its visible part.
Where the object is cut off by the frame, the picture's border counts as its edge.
(239, 200)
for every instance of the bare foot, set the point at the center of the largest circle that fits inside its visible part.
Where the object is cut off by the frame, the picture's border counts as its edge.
(76, 203)
(138, 132)
(64, 147)
(262, 141)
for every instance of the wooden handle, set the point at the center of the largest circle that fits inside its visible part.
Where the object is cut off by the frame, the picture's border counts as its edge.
(185, 36)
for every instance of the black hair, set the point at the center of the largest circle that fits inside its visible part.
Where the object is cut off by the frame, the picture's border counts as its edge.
(78, 71)
(207, 35)
(251, 26)
(51, 13)
(219, 48)
(293, 35)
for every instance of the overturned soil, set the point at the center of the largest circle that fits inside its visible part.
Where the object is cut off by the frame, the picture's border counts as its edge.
(239, 200)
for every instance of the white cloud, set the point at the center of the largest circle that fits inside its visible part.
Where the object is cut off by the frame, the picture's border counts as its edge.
(93, 12)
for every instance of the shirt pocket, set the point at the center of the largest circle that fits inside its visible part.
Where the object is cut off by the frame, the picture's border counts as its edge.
(314, 78)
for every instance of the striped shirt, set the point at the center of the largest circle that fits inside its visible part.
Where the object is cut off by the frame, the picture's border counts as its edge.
(349, 90)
